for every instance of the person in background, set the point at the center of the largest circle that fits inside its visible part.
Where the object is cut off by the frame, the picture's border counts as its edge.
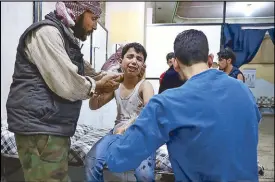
(170, 78)
(131, 96)
(50, 80)
(209, 124)
(169, 60)
(226, 59)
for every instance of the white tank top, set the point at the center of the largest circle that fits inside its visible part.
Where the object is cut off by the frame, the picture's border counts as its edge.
(128, 107)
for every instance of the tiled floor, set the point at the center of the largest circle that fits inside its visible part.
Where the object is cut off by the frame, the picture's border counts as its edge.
(266, 147)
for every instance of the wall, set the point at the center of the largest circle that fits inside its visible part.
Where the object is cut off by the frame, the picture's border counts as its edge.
(99, 43)
(15, 18)
(160, 40)
(149, 17)
(220, 20)
(125, 22)
(101, 118)
(263, 62)
(47, 7)
(102, 16)
(158, 45)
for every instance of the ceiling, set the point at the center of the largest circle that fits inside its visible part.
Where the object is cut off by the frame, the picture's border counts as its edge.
(164, 12)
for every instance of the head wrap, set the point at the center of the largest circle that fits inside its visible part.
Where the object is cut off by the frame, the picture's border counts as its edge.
(68, 11)
(112, 64)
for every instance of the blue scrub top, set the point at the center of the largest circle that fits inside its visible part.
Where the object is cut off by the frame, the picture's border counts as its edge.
(210, 126)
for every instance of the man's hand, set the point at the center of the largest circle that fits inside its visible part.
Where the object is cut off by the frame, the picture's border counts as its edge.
(107, 83)
(142, 71)
(99, 76)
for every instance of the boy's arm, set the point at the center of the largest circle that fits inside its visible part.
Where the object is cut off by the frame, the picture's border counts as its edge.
(240, 77)
(147, 92)
(97, 101)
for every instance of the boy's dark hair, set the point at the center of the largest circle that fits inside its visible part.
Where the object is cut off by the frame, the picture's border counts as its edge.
(170, 55)
(191, 47)
(227, 53)
(138, 48)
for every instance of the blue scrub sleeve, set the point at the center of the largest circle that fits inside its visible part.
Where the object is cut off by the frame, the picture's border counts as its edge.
(140, 140)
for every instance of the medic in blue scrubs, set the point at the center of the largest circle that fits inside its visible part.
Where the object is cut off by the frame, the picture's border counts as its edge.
(210, 123)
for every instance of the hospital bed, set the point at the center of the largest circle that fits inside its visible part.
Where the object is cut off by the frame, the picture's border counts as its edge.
(85, 137)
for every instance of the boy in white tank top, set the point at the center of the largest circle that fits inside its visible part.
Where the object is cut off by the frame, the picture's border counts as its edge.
(131, 96)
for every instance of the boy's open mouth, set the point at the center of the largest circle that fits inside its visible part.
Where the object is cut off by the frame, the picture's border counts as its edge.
(132, 68)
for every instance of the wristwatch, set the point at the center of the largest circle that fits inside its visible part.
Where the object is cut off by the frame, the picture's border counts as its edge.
(93, 85)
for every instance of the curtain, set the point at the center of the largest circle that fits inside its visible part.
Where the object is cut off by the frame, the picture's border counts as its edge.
(244, 42)
(271, 34)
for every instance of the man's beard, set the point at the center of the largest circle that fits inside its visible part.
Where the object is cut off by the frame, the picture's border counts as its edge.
(79, 31)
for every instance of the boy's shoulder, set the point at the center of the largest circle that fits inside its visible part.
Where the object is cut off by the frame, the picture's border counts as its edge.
(145, 82)
(145, 85)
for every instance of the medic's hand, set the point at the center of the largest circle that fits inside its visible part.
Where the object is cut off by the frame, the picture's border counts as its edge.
(108, 83)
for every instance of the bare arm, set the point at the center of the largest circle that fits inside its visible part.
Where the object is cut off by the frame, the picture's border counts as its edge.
(240, 77)
(97, 101)
(147, 92)
(45, 48)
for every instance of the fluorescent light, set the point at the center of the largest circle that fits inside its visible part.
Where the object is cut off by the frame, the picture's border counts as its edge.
(248, 10)
(248, 7)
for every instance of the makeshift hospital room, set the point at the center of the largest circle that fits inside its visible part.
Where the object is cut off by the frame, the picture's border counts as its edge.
(104, 51)
(85, 137)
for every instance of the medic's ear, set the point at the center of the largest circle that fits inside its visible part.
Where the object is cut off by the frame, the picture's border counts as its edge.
(210, 60)
(176, 65)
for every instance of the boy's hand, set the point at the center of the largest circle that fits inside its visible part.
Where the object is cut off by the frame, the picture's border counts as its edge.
(120, 130)
(123, 128)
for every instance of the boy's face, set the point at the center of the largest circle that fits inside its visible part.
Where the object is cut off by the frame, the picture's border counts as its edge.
(132, 62)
